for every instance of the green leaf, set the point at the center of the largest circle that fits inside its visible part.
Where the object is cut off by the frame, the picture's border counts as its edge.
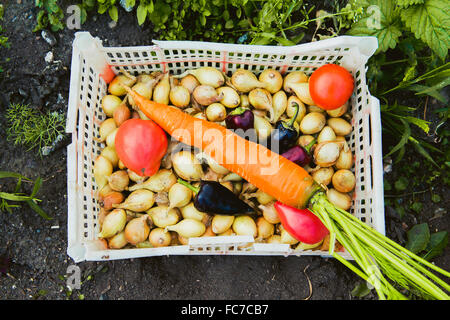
(438, 242)
(361, 290)
(141, 13)
(418, 238)
(381, 20)
(8, 174)
(430, 22)
(36, 187)
(114, 13)
(401, 184)
(406, 3)
(229, 24)
(403, 140)
(13, 196)
(38, 210)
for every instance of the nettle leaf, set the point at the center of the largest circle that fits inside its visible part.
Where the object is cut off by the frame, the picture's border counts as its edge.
(438, 242)
(406, 3)
(418, 238)
(382, 21)
(430, 22)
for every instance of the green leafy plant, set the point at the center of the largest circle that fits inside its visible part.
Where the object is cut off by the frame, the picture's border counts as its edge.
(32, 129)
(17, 196)
(420, 240)
(50, 15)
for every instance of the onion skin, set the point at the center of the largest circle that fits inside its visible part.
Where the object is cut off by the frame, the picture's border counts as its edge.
(344, 180)
(115, 86)
(221, 223)
(110, 154)
(102, 169)
(323, 175)
(187, 166)
(190, 82)
(293, 77)
(245, 225)
(230, 98)
(110, 104)
(244, 81)
(339, 199)
(119, 180)
(159, 238)
(209, 76)
(273, 80)
(340, 126)
(206, 95)
(113, 197)
(137, 230)
(180, 96)
(162, 90)
(327, 153)
(312, 123)
(118, 241)
(188, 228)
(113, 223)
(138, 201)
(163, 216)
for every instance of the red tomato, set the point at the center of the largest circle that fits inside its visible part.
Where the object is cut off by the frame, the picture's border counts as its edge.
(140, 145)
(330, 86)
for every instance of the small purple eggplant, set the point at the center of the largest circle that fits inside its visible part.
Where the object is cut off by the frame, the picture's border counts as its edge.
(240, 118)
(299, 155)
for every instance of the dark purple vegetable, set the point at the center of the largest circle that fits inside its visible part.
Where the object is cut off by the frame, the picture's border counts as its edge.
(284, 136)
(213, 198)
(240, 118)
(299, 155)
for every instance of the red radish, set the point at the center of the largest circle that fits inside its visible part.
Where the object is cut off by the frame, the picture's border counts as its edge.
(302, 224)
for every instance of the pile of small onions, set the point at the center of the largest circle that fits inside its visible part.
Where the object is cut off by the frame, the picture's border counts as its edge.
(156, 211)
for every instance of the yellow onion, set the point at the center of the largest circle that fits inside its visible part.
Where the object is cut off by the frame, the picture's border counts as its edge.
(312, 123)
(102, 169)
(327, 153)
(110, 103)
(265, 228)
(228, 185)
(221, 223)
(187, 166)
(339, 199)
(103, 192)
(118, 241)
(120, 164)
(137, 230)
(217, 168)
(209, 232)
(188, 228)
(244, 81)
(245, 226)
(160, 181)
(115, 86)
(340, 126)
(189, 211)
(145, 77)
(344, 180)
(262, 127)
(206, 95)
(286, 237)
(208, 76)
(301, 90)
(306, 246)
(121, 114)
(135, 177)
(113, 223)
(110, 154)
(118, 180)
(179, 96)
(227, 233)
(260, 99)
(110, 199)
(144, 88)
(335, 113)
(315, 109)
(179, 195)
(305, 139)
(273, 80)
(110, 139)
(326, 134)
(230, 98)
(292, 78)
(262, 197)
(270, 213)
(163, 216)
(291, 108)
(245, 103)
(323, 175)
(274, 239)
(138, 201)
(345, 160)
(159, 238)
(216, 112)
(279, 106)
(232, 177)
(106, 127)
(200, 115)
(189, 82)
(162, 90)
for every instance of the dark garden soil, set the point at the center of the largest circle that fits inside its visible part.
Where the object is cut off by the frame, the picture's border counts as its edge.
(37, 247)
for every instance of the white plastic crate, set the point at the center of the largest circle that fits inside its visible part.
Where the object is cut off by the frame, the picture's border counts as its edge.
(84, 116)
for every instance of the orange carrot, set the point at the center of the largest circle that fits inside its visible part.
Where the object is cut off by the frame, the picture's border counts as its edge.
(267, 170)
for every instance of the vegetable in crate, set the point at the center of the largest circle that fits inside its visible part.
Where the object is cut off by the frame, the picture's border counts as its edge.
(285, 134)
(141, 145)
(213, 198)
(240, 118)
(377, 257)
(330, 86)
(299, 155)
